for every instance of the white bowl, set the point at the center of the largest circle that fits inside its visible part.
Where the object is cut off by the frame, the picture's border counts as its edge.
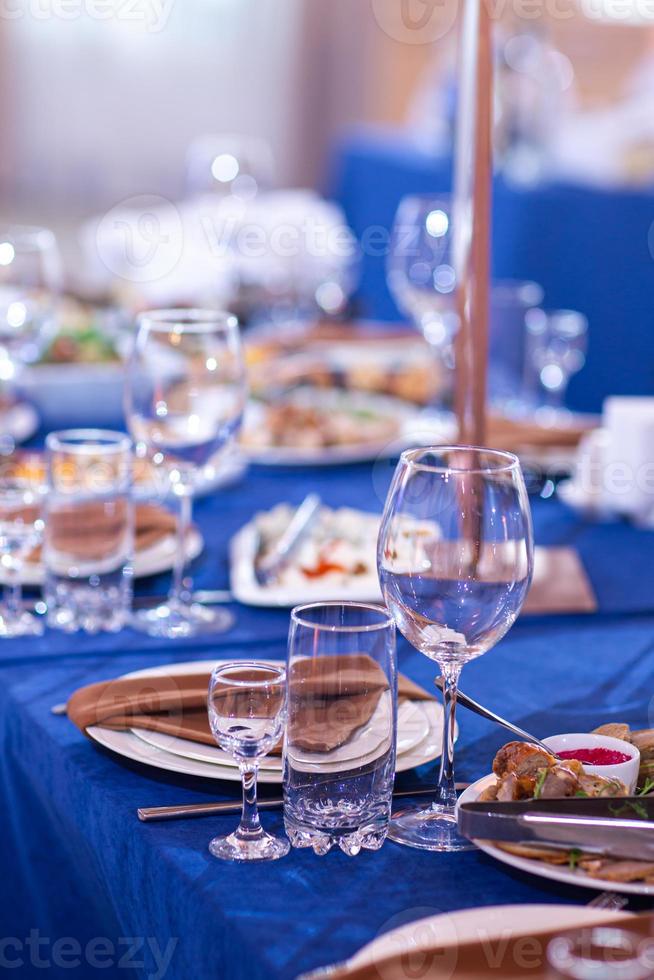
(627, 772)
(69, 395)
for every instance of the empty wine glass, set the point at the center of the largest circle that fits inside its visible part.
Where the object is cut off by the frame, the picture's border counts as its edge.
(455, 558)
(21, 530)
(30, 278)
(420, 271)
(247, 714)
(185, 396)
(557, 342)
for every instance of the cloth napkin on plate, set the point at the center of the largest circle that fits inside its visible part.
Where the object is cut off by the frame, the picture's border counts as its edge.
(89, 530)
(339, 694)
(523, 955)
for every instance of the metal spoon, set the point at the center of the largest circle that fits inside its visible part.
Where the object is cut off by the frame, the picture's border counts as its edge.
(479, 709)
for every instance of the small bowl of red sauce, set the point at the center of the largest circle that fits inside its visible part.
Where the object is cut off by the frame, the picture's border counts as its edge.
(600, 754)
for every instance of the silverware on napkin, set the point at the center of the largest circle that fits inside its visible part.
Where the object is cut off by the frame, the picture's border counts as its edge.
(267, 567)
(619, 826)
(147, 813)
(489, 715)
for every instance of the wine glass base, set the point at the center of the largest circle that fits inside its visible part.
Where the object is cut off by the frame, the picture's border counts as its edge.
(178, 620)
(263, 847)
(431, 829)
(24, 625)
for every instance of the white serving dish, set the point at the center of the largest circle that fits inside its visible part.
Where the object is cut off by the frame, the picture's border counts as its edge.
(627, 772)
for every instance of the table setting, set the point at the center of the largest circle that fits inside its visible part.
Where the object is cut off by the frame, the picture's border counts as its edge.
(249, 541)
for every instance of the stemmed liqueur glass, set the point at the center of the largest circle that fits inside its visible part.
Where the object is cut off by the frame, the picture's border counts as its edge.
(21, 530)
(247, 714)
(185, 396)
(455, 560)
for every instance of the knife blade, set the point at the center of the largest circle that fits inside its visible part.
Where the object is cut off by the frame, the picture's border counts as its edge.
(618, 826)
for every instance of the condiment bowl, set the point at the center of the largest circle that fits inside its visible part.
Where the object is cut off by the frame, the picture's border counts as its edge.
(627, 772)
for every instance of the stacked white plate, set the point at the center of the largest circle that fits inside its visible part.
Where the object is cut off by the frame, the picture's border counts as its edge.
(419, 740)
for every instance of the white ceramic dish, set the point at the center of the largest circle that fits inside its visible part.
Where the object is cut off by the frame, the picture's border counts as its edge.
(151, 561)
(627, 772)
(403, 413)
(490, 924)
(133, 746)
(568, 876)
(71, 395)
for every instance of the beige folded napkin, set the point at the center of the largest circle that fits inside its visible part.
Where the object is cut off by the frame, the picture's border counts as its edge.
(92, 530)
(514, 435)
(522, 955)
(336, 696)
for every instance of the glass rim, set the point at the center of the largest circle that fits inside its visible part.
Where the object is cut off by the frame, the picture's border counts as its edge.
(193, 319)
(277, 669)
(82, 441)
(507, 461)
(298, 619)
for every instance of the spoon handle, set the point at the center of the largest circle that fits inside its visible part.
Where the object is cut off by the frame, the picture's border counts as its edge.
(479, 709)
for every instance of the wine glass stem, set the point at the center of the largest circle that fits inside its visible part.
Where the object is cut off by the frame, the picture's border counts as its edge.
(13, 591)
(179, 593)
(446, 784)
(249, 825)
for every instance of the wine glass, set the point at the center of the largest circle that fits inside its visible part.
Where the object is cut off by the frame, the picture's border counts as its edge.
(30, 278)
(247, 714)
(455, 559)
(420, 271)
(229, 165)
(185, 397)
(21, 530)
(557, 342)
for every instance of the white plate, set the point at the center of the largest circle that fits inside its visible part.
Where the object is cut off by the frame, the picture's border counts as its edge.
(245, 588)
(407, 416)
(540, 868)
(412, 728)
(133, 746)
(490, 924)
(158, 558)
(18, 421)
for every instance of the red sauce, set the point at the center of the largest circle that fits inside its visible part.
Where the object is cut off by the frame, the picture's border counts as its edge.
(596, 757)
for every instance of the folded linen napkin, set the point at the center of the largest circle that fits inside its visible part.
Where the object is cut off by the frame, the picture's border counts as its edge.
(339, 694)
(89, 530)
(522, 955)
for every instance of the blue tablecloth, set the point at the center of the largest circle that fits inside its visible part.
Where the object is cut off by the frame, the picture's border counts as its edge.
(77, 864)
(592, 250)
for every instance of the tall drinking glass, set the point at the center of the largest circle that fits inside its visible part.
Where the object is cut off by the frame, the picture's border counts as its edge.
(21, 530)
(557, 343)
(455, 559)
(185, 396)
(89, 530)
(339, 750)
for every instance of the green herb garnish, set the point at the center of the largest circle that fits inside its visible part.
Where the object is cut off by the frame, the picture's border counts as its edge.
(573, 858)
(540, 781)
(647, 788)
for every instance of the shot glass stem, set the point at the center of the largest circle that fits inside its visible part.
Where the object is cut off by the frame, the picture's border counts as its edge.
(249, 825)
(446, 784)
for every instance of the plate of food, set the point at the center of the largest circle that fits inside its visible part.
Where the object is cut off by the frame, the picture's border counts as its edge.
(419, 738)
(78, 380)
(325, 426)
(155, 546)
(522, 771)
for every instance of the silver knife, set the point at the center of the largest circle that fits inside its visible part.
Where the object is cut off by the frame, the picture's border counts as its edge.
(302, 519)
(617, 826)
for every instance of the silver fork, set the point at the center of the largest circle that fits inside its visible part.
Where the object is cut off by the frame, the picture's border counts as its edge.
(610, 901)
